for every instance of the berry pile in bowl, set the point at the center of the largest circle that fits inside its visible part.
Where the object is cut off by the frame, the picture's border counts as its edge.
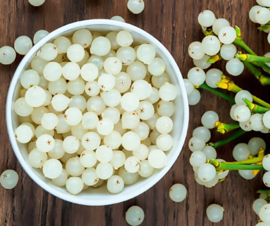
(97, 112)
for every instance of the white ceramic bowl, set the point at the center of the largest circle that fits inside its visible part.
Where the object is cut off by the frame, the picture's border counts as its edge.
(100, 196)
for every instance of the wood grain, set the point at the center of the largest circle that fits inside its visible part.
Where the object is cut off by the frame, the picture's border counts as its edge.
(174, 23)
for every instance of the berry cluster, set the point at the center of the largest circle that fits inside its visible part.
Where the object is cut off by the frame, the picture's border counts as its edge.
(260, 14)
(223, 42)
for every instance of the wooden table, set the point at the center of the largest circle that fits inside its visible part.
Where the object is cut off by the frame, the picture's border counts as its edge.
(174, 23)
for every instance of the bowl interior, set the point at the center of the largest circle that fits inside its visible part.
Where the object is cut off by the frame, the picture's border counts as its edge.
(101, 196)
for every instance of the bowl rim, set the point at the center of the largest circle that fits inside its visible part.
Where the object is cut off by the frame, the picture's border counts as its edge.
(29, 170)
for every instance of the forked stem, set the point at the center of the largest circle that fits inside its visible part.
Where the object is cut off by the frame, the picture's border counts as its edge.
(252, 58)
(254, 108)
(220, 143)
(218, 93)
(227, 84)
(264, 80)
(248, 161)
(225, 128)
(240, 42)
(222, 166)
(228, 166)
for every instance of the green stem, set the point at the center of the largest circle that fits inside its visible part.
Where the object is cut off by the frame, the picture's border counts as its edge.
(208, 31)
(214, 59)
(229, 85)
(257, 64)
(254, 108)
(252, 58)
(264, 80)
(225, 128)
(261, 102)
(263, 66)
(214, 162)
(218, 93)
(248, 161)
(240, 42)
(252, 69)
(238, 31)
(264, 27)
(263, 191)
(237, 134)
(228, 166)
